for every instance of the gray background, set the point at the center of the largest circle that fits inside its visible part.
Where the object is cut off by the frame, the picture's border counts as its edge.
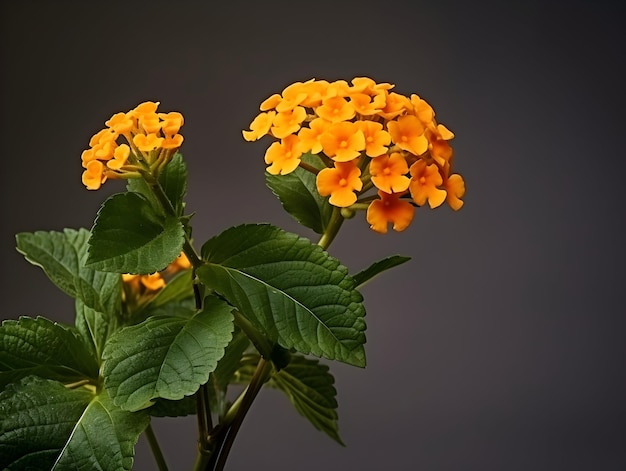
(500, 346)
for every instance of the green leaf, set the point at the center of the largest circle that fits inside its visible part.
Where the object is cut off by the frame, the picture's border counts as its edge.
(297, 191)
(61, 255)
(378, 267)
(130, 236)
(94, 326)
(173, 179)
(309, 386)
(45, 425)
(288, 288)
(166, 408)
(44, 348)
(175, 298)
(167, 357)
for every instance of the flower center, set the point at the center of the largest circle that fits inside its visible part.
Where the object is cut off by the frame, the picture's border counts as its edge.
(343, 182)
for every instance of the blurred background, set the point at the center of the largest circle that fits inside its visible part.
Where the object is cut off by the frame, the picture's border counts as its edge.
(501, 345)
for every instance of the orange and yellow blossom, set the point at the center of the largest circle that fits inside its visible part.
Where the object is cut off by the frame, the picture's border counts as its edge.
(335, 109)
(284, 156)
(376, 138)
(425, 183)
(340, 182)
(389, 209)
(389, 173)
(344, 123)
(151, 138)
(287, 122)
(343, 141)
(260, 126)
(310, 137)
(407, 132)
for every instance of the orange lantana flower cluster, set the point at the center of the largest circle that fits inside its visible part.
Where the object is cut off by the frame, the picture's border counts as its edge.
(151, 140)
(370, 138)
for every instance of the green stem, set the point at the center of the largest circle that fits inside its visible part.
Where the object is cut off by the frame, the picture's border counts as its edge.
(228, 430)
(155, 448)
(336, 219)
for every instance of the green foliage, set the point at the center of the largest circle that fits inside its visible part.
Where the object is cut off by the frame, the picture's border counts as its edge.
(166, 357)
(44, 348)
(61, 255)
(45, 425)
(289, 288)
(309, 386)
(378, 267)
(173, 181)
(298, 194)
(131, 236)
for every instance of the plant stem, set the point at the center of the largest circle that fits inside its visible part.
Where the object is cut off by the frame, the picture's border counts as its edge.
(156, 449)
(336, 219)
(228, 432)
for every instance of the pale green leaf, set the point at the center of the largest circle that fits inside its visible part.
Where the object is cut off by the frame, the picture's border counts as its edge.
(289, 288)
(166, 357)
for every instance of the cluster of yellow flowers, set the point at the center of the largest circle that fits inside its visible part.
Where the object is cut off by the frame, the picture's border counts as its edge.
(151, 140)
(369, 137)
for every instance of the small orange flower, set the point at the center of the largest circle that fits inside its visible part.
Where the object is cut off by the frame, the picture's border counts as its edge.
(310, 137)
(455, 187)
(260, 126)
(389, 209)
(153, 281)
(120, 123)
(389, 173)
(335, 110)
(146, 143)
(408, 134)
(376, 139)
(288, 122)
(424, 184)
(284, 157)
(340, 183)
(93, 177)
(172, 122)
(343, 141)
(120, 156)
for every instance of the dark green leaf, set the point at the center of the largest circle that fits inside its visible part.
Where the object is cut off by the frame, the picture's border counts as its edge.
(48, 426)
(37, 417)
(290, 289)
(378, 267)
(130, 236)
(166, 408)
(61, 255)
(309, 386)
(44, 348)
(297, 191)
(166, 357)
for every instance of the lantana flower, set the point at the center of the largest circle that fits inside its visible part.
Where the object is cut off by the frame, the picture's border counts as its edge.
(340, 182)
(389, 209)
(368, 137)
(151, 140)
